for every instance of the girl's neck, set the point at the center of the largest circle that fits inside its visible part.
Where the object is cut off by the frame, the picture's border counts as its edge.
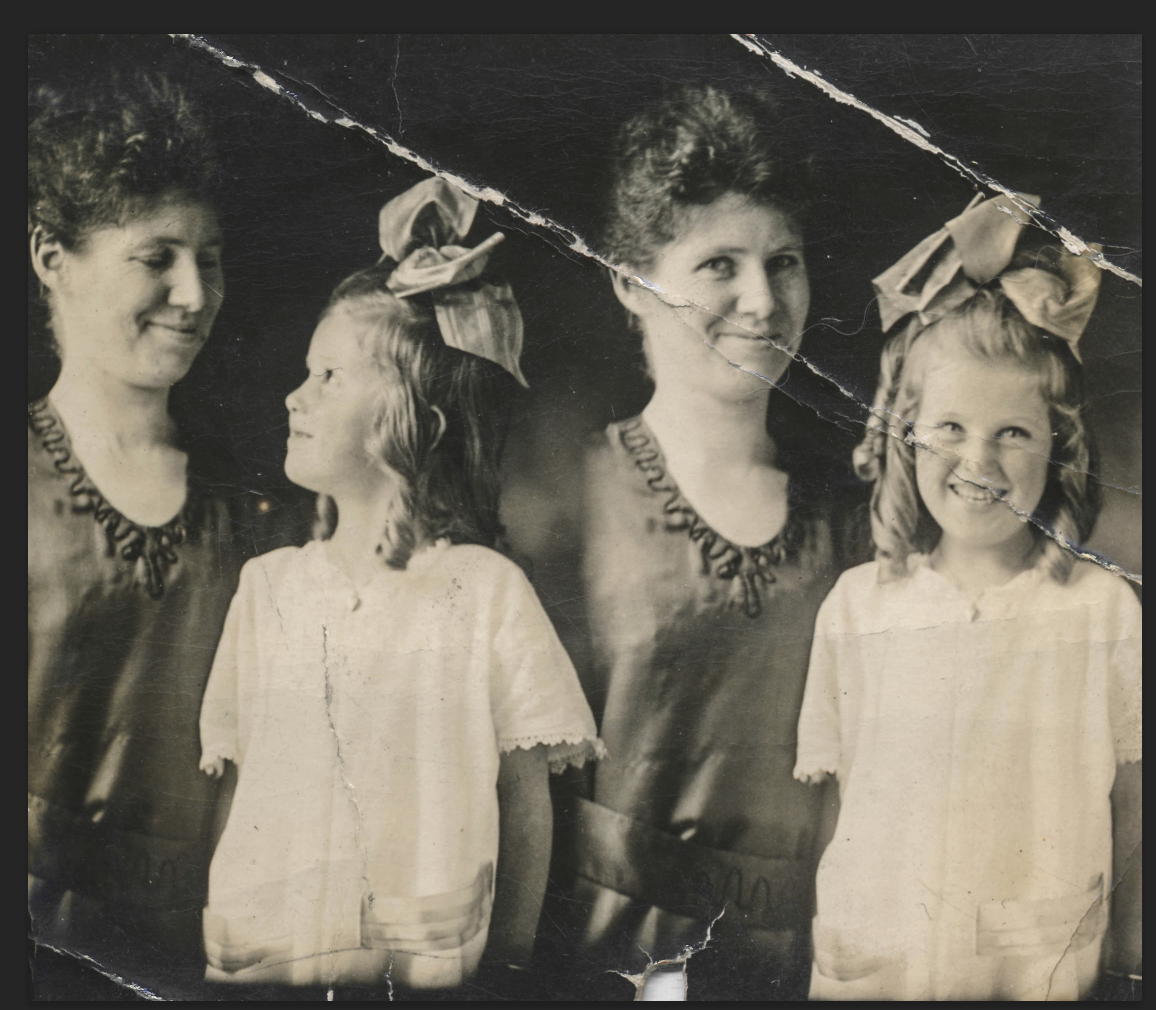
(362, 525)
(110, 415)
(975, 569)
(705, 432)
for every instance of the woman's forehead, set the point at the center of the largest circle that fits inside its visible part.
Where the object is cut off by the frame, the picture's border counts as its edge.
(735, 220)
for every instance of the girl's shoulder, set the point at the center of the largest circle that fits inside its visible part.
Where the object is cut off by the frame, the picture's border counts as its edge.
(273, 566)
(1092, 586)
(479, 566)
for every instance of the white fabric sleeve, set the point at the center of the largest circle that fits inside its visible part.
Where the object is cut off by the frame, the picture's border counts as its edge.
(535, 697)
(819, 743)
(221, 717)
(1125, 684)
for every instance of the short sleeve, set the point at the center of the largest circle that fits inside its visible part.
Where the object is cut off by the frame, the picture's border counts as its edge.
(819, 747)
(222, 723)
(535, 697)
(1125, 701)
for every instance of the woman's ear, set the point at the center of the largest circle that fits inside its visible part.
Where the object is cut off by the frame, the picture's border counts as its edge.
(627, 291)
(47, 257)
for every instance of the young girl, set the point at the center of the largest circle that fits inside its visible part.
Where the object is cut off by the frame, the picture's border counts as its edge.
(392, 693)
(976, 688)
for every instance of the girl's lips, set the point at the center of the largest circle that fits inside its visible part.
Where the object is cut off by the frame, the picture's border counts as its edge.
(972, 494)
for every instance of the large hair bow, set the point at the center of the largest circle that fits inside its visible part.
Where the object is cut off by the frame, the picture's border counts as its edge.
(417, 230)
(941, 274)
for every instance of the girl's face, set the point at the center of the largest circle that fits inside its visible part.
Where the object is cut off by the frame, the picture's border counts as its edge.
(331, 415)
(732, 298)
(985, 438)
(136, 302)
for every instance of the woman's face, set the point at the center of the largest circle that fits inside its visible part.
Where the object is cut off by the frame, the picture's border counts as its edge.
(137, 301)
(730, 298)
(331, 415)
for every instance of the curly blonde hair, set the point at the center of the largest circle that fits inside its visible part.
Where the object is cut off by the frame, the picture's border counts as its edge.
(446, 466)
(989, 326)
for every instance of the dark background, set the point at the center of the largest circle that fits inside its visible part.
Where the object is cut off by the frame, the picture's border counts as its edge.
(531, 116)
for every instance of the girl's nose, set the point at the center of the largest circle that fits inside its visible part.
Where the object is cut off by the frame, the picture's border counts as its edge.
(293, 400)
(982, 460)
(756, 301)
(188, 286)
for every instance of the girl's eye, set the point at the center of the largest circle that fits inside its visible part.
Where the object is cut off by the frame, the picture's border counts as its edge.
(950, 426)
(722, 266)
(1013, 431)
(209, 264)
(784, 261)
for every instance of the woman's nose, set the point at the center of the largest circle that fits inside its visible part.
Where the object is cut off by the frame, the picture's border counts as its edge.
(756, 301)
(188, 286)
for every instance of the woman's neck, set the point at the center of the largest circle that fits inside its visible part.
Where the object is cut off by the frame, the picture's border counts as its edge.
(121, 418)
(706, 432)
(975, 569)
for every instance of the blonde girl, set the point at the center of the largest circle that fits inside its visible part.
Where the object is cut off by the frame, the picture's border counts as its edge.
(392, 693)
(976, 688)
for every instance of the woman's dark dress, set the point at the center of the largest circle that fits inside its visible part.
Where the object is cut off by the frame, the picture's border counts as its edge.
(123, 621)
(695, 657)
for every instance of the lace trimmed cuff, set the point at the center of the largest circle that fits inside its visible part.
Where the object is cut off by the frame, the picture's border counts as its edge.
(563, 749)
(809, 766)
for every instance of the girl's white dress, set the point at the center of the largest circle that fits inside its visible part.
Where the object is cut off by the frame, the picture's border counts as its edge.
(367, 725)
(975, 748)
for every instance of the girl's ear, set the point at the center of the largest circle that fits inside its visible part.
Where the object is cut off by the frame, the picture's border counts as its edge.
(47, 257)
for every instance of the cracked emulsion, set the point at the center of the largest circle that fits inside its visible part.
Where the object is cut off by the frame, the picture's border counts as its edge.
(576, 244)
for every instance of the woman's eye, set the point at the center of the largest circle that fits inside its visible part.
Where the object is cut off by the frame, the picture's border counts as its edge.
(1013, 431)
(723, 266)
(950, 426)
(160, 260)
(784, 261)
(209, 264)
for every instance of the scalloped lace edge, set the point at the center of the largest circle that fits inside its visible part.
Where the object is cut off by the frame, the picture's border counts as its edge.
(565, 750)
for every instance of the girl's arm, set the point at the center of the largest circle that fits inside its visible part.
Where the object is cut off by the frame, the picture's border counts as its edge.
(526, 829)
(1123, 943)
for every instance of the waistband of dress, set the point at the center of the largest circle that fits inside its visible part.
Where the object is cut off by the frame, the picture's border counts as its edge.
(688, 878)
(113, 865)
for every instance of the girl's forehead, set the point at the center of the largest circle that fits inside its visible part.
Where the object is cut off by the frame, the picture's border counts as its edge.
(338, 337)
(961, 380)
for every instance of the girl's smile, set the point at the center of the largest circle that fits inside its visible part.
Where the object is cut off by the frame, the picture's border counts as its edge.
(984, 438)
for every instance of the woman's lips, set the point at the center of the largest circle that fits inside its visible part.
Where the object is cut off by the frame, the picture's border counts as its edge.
(182, 334)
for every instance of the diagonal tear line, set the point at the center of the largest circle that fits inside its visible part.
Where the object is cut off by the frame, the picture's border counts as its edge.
(572, 241)
(140, 990)
(917, 135)
(575, 243)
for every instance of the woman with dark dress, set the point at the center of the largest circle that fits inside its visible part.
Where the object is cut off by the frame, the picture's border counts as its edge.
(132, 553)
(713, 525)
